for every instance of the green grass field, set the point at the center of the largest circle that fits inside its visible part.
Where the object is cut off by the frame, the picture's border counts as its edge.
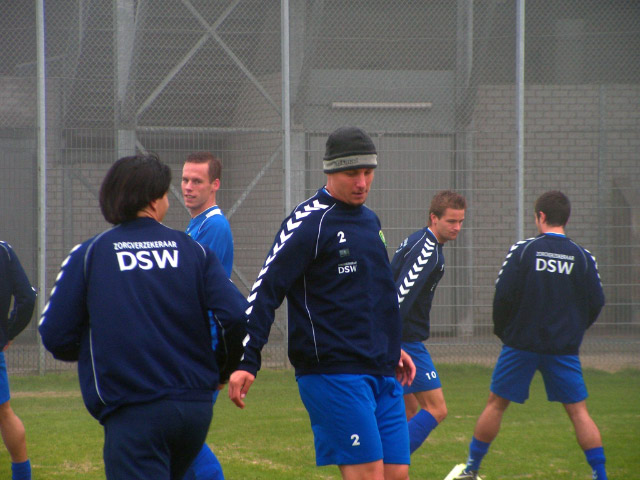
(272, 439)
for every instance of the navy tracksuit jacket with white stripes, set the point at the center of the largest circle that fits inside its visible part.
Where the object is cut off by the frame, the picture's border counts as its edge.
(548, 293)
(329, 259)
(418, 266)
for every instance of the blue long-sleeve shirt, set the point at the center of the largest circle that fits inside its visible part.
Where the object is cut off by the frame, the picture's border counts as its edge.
(13, 284)
(548, 293)
(211, 228)
(329, 259)
(130, 305)
(418, 266)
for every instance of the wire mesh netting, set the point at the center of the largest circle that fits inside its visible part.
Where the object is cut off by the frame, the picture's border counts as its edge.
(434, 82)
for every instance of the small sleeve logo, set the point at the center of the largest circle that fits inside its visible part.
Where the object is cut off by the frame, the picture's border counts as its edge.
(382, 238)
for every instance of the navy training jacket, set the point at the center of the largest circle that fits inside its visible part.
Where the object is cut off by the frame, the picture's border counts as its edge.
(548, 293)
(131, 306)
(330, 261)
(13, 284)
(418, 266)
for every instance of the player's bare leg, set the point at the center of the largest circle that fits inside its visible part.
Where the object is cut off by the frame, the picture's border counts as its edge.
(486, 430)
(363, 471)
(424, 410)
(432, 401)
(396, 472)
(488, 424)
(375, 471)
(13, 434)
(587, 432)
(588, 437)
(411, 406)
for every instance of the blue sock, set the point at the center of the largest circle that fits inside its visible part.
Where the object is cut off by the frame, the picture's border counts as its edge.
(596, 459)
(205, 466)
(477, 451)
(420, 426)
(21, 471)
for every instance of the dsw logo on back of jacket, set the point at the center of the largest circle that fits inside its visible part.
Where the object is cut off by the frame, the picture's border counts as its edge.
(548, 293)
(131, 306)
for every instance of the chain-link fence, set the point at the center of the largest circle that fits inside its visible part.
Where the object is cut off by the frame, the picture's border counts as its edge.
(438, 84)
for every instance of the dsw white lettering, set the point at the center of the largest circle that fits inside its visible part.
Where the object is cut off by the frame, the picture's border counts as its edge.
(147, 260)
(554, 266)
(347, 268)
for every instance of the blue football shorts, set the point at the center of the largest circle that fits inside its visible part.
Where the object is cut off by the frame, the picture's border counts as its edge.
(356, 418)
(5, 396)
(427, 377)
(562, 375)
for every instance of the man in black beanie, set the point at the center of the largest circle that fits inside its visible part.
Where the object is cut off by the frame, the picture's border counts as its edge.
(350, 153)
(330, 260)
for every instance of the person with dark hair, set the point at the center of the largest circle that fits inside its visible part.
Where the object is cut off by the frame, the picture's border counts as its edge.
(330, 260)
(14, 285)
(558, 206)
(547, 294)
(131, 305)
(201, 176)
(131, 186)
(418, 266)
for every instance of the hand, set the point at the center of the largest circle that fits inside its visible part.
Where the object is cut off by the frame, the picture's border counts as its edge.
(239, 384)
(406, 370)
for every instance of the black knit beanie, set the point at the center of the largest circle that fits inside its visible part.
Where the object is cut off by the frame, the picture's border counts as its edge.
(349, 148)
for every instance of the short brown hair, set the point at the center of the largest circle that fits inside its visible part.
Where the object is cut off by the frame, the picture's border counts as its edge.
(443, 200)
(215, 164)
(131, 184)
(556, 206)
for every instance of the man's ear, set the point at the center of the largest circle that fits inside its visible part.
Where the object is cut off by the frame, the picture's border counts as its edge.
(153, 205)
(542, 217)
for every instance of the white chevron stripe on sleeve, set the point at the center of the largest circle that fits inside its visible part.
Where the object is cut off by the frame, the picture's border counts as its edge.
(277, 247)
(284, 237)
(263, 271)
(291, 225)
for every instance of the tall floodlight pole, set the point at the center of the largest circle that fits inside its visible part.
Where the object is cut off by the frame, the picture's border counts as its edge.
(520, 119)
(286, 126)
(42, 171)
(286, 104)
